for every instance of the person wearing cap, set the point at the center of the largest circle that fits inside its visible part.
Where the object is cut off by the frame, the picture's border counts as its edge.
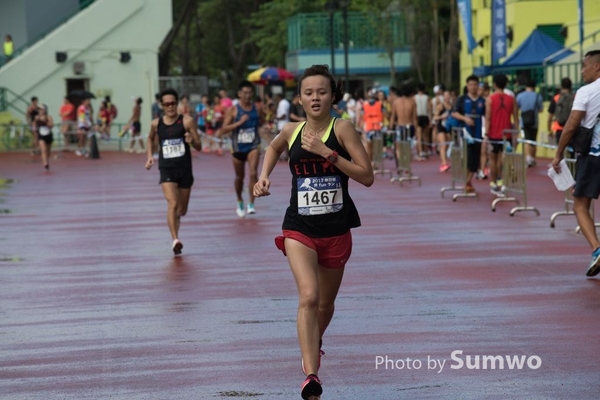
(436, 101)
(135, 128)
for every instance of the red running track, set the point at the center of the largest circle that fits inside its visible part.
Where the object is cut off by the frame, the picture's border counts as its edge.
(93, 305)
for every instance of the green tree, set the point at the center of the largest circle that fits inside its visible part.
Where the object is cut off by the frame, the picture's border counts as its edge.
(220, 38)
(268, 27)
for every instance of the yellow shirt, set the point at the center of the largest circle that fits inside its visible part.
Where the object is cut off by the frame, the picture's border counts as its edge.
(8, 48)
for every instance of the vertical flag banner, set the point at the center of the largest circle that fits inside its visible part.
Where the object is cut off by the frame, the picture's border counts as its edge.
(498, 30)
(466, 14)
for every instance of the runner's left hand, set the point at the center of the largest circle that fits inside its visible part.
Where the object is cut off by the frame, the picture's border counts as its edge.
(315, 145)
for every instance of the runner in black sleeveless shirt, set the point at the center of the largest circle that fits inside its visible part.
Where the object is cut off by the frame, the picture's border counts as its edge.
(324, 154)
(175, 134)
(44, 124)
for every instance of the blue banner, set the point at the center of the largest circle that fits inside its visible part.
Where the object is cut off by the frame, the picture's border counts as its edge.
(498, 30)
(466, 14)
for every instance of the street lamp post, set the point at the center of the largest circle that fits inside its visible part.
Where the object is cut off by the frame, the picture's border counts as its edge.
(344, 4)
(331, 7)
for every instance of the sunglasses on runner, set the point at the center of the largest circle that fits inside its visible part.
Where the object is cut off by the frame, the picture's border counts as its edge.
(170, 104)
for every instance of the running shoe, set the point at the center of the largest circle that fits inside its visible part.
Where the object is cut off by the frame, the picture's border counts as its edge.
(251, 209)
(444, 167)
(496, 190)
(321, 354)
(177, 246)
(481, 175)
(311, 387)
(594, 266)
(469, 188)
(240, 210)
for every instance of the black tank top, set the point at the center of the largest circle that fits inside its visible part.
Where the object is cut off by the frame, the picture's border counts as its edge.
(174, 152)
(441, 125)
(320, 205)
(41, 122)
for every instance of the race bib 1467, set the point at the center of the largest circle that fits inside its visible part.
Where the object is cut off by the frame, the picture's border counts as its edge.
(320, 195)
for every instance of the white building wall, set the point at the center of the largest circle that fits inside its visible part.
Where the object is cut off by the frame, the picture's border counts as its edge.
(96, 36)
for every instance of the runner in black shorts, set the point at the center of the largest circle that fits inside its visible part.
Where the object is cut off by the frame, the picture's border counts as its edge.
(243, 121)
(175, 134)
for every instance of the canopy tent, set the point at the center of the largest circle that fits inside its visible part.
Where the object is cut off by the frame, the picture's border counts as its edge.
(532, 52)
(575, 57)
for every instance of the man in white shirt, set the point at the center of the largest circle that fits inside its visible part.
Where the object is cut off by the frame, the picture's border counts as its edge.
(585, 112)
(283, 117)
(283, 111)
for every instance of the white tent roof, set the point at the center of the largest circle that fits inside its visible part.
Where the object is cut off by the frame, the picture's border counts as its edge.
(575, 58)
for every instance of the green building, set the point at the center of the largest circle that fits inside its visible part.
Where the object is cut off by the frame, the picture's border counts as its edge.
(377, 46)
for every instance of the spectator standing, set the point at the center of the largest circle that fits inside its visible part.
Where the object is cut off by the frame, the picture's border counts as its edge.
(560, 108)
(32, 112)
(67, 117)
(500, 108)
(530, 103)
(84, 124)
(9, 48)
(423, 120)
(470, 109)
(297, 113)
(184, 106)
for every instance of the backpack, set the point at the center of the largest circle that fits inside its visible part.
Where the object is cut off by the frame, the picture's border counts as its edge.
(529, 117)
(563, 108)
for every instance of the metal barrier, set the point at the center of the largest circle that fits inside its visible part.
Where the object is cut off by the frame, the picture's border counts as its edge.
(15, 136)
(569, 202)
(402, 157)
(20, 136)
(514, 174)
(458, 169)
(377, 154)
(571, 162)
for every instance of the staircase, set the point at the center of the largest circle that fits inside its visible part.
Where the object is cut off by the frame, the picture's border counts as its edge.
(109, 47)
(12, 107)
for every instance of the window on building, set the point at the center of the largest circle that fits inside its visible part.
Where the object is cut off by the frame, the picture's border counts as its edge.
(553, 31)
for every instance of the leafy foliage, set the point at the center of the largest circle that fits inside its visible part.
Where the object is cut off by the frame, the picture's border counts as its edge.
(220, 38)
